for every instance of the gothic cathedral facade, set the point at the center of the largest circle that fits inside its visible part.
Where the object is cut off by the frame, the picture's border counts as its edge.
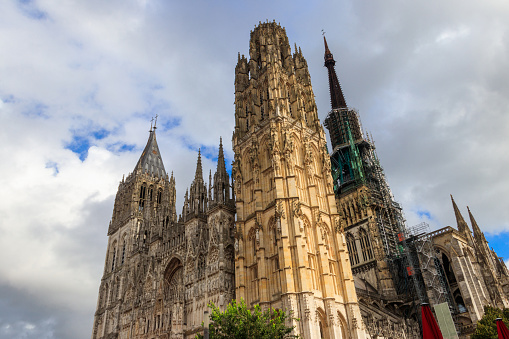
(160, 273)
(271, 237)
(290, 249)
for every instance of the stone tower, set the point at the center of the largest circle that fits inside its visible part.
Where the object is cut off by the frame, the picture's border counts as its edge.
(160, 273)
(371, 219)
(290, 250)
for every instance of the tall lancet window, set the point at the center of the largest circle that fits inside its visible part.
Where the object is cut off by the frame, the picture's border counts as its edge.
(262, 108)
(289, 103)
(143, 192)
(123, 252)
(113, 257)
(367, 252)
(352, 249)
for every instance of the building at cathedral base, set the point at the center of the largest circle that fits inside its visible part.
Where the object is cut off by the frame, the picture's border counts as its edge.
(318, 235)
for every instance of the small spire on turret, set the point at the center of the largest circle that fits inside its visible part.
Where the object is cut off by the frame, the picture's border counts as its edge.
(210, 185)
(199, 170)
(462, 225)
(478, 235)
(336, 93)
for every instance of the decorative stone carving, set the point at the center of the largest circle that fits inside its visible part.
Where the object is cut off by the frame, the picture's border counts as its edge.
(288, 151)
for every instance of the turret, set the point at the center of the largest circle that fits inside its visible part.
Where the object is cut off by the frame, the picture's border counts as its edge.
(273, 83)
(221, 186)
(197, 192)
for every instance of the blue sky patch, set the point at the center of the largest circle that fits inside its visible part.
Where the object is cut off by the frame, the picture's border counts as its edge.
(120, 147)
(423, 214)
(170, 123)
(500, 243)
(80, 146)
(82, 140)
(29, 9)
(100, 134)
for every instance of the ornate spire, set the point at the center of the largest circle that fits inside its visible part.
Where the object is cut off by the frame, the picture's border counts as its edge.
(462, 225)
(199, 170)
(337, 98)
(220, 157)
(221, 179)
(478, 235)
(151, 161)
(197, 192)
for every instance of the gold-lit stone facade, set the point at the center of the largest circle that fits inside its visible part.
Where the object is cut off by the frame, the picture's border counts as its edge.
(290, 248)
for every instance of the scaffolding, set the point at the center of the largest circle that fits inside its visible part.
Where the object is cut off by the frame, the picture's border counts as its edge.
(409, 253)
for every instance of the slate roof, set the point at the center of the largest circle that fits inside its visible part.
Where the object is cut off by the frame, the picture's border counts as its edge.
(151, 161)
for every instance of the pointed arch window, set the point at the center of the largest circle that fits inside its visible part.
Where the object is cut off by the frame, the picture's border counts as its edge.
(367, 251)
(253, 242)
(150, 193)
(201, 266)
(123, 252)
(143, 192)
(113, 257)
(289, 103)
(352, 249)
(159, 196)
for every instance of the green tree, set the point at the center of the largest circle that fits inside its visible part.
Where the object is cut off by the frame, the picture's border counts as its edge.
(238, 322)
(486, 327)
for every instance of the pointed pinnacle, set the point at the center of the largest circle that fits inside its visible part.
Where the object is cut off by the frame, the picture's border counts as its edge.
(220, 158)
(462, 225)
(475, 227)
(199, 170)
(326, 46)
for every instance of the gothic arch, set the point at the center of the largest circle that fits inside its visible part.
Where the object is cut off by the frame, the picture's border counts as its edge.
(367, 251)
(113, 257)
(298, 150)
(323, 324)
(229, 257)
(247, 168)
(342, 325)
(310, 237)
(317, 163)
(173, 281)
(352, 248)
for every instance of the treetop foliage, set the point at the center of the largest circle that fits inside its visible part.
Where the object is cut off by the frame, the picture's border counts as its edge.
(238, 322)
(486, 327)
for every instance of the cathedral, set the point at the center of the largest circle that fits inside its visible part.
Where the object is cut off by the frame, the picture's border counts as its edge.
(296, 228)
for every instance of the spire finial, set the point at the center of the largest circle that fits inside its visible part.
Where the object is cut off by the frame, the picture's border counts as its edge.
(199, 170)
(155, 122)
(337, 99)
(221, 167)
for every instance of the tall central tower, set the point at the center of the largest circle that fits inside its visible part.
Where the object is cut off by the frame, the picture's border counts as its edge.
(290, 248)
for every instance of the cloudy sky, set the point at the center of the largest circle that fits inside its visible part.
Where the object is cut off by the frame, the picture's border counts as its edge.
(80, 81)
